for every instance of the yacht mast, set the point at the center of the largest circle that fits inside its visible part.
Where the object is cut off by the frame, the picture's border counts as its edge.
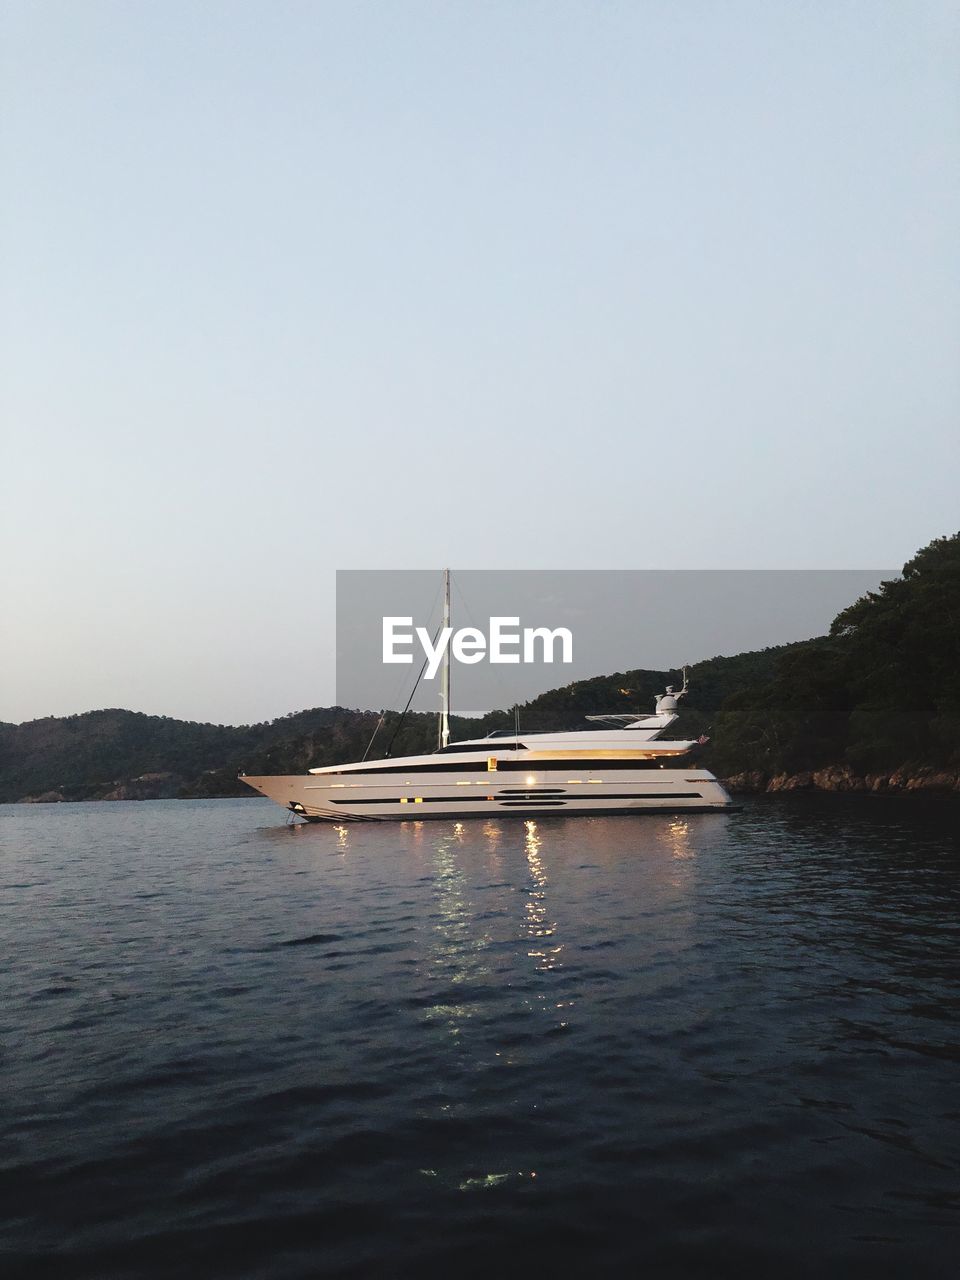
(444, 734)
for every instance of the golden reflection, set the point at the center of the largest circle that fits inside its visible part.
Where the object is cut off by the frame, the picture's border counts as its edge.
(343, 836)
(539, 927)
(493, 834)
(678, 838)
(455, 951)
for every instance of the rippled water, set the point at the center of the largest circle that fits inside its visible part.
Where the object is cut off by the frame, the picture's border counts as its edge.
(710, 1046)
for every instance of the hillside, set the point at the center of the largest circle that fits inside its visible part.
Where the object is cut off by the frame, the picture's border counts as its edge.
(878, 697)
(118, 754)
(876, 700)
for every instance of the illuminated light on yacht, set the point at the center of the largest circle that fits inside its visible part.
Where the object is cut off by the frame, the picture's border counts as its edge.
(642, 773)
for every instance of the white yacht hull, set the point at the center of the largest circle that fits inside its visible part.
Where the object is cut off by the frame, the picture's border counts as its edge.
(359, 797)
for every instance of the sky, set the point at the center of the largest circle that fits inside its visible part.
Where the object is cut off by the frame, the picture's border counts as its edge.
(296, 287)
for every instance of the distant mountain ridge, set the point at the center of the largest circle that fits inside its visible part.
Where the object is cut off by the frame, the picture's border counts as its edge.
(874, 705)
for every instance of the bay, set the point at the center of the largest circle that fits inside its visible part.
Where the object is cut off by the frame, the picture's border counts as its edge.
(710, 1045)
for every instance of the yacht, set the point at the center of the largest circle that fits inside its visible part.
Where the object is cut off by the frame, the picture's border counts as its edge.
(621, 766)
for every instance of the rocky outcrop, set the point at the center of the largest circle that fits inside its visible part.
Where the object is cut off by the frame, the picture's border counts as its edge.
(835, 778)
(48, 797)
(746, 783)
(928, 779)
(916, 780)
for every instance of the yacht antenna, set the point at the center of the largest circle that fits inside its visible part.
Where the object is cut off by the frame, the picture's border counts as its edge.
(413, 691)
(444, 732)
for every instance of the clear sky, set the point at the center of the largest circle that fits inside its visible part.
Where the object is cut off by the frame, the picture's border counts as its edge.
(292, 287)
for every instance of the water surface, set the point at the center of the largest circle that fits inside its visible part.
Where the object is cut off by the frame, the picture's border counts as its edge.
(702, 1046)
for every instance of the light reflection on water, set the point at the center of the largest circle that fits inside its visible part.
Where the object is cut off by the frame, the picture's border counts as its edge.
(458, 947)
(219, 1032)
(539, 928)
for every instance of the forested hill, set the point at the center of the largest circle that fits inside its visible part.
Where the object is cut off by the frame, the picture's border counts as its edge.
(878, 698)
(879, 695)
(120, 755)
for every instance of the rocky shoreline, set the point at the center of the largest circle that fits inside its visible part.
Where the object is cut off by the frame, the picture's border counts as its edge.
(841, 778)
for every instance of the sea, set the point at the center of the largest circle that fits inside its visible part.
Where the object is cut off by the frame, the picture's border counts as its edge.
(683, 1046)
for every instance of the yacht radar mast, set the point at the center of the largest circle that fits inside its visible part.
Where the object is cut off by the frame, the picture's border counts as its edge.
(667, 702)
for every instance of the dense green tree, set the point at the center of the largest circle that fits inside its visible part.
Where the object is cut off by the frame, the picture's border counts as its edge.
(881, 692)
